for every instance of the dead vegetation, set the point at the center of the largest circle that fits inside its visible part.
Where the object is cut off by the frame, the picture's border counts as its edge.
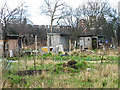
(101, 76)
(63, 74)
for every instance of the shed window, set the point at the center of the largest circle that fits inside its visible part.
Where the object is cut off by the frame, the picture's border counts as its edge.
(88, 39)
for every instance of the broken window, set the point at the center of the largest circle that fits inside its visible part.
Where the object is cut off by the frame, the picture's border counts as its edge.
(88, 39)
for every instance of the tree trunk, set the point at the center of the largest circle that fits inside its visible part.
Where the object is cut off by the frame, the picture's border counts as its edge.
(4, 46)
(34, 58)
(51, 24)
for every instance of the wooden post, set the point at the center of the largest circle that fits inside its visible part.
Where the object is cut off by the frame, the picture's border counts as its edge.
(42, 61)
(97, 42)
(36, 45)
(34, 57)
(102, 58)
(48, 42)
(74, 46)
(21, 43)
(70, 48)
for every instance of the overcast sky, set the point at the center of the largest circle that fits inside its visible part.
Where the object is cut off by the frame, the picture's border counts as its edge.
(34, 8)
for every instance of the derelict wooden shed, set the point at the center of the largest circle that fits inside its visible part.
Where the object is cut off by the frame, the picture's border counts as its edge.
(54, 39)
(88, 42)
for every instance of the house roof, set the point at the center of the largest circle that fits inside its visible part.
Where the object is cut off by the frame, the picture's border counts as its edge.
(62, 34)
(99, 36)
(53, 33)
(87, 35)
(65, 34)
(12, 36)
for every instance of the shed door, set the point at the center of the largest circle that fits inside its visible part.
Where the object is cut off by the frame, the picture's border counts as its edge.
(82, 43)
(94, 43)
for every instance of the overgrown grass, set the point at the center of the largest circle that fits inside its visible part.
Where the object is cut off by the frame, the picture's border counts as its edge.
(86, 57)
(60, 75)
(99, 76)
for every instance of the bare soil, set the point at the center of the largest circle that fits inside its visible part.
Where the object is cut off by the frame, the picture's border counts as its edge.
(30, 72)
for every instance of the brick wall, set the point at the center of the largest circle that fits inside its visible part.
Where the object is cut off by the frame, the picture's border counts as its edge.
(13, 44)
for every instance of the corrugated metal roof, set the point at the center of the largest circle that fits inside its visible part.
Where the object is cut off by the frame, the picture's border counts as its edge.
(58, 34)
(53, 33)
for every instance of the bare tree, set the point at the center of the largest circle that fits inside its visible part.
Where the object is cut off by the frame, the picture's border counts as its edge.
(69, 19)
(114, 21)
(6, 16)
(93, 11)
(96, 8)
(72, 16)
(54, 9)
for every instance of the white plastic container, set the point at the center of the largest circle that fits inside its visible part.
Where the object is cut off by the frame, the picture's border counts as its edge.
(11, 53)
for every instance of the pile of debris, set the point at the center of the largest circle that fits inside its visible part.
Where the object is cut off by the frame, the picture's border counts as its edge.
(71, 64)
(30, 72)
(76, 65)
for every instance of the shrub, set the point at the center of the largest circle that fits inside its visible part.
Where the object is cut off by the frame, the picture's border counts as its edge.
(15, 79)
(49, 54)
(72, 59)
(82, 65)
(95, 50)
(74, 70)
(59, 53)
(44, 56)
(58, 58)
(60, 68)
(59, 64)
(31, 68)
